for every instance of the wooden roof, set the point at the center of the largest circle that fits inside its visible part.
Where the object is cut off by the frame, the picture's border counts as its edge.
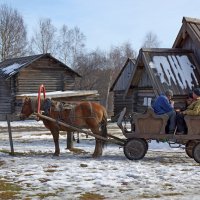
(120, 73)
(174, 69)
(190, 27)
(10, 67)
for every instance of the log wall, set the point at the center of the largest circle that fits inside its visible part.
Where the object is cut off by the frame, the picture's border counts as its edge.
(5, 97)
(45, 71)
(54, 77)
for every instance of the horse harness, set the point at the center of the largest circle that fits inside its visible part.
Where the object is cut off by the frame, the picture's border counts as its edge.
(60, 107)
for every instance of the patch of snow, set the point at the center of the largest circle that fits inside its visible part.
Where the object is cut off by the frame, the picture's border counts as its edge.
(27, 123)
(11, 69)
(183, 73)
(164, 173)
(57, 94)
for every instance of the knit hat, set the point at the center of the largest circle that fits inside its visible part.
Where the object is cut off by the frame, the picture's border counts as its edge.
(197, 91)
(169, 93)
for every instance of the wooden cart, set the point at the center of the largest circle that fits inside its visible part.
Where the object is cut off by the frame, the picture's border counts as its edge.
(149, 126)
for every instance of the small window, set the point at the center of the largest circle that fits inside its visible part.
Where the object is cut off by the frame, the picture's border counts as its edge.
(147, 101)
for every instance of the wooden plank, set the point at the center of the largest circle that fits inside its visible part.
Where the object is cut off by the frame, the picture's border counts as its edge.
(196, 30)
(70, 140)
(10, 135)
(57, 94)
(70, 127)
(76, 128)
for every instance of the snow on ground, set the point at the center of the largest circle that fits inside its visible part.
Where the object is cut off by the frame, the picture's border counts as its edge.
(164, 173)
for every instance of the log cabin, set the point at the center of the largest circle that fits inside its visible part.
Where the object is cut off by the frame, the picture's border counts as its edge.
(25, 74)
(158, 69)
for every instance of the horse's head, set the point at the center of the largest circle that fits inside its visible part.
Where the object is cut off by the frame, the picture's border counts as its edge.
(27, 109)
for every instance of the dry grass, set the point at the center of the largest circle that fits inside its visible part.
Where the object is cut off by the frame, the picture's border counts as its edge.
(9, 190)
(2, 162)
(78, 151)
(93, 196)
(150, 196)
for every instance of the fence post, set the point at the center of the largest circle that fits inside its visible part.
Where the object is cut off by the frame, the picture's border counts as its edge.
(10, 134)
(70, 140)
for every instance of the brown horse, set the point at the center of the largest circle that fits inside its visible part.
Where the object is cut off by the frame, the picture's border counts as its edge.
(87, 115)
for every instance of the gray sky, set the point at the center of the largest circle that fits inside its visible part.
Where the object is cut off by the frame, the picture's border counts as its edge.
(111, 22)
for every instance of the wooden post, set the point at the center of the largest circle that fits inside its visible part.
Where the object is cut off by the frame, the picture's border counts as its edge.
(10, 134)
(70, 140)
(81, 130)
(73, 128)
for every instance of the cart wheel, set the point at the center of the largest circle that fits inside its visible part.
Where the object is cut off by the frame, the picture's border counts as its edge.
(135, 149)
(189, 148)
(196, 152)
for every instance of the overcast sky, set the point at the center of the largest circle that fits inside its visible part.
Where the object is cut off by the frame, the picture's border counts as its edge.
(111, 22)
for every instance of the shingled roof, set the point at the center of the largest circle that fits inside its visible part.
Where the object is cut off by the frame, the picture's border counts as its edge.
(167, 68)
(191, 27)
(10, 67)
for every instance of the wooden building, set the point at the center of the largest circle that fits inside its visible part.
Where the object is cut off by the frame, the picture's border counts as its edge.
(119, 87)
(189, 36)
(25, 75)
(155, 71)
(158, 69)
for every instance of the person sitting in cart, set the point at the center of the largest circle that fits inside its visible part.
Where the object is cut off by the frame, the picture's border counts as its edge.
(189, 100)
(164, 105)
(193, 109)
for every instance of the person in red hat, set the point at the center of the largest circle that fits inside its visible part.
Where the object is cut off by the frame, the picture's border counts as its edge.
(193, 109)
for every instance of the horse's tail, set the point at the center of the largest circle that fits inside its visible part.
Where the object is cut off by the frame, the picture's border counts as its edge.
(104, 125)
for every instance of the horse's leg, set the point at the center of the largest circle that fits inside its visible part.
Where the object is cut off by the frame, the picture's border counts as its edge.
(74, 139)
(98, 145)
(55, 134)
(78, 140)
(98, 149)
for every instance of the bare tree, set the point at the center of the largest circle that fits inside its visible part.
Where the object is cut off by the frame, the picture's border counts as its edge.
(44, 39)
(13, 39)
(78, 44)
(99, 70)
(90, 67)
(64, 44)
(128, 51)
(71, 45)
(116, 59)
(151, 41)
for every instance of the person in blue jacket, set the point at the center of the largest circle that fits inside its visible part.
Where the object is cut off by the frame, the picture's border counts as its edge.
(164, 105)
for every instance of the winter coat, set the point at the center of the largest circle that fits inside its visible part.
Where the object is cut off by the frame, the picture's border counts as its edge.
(193, 109)
(162, 105)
